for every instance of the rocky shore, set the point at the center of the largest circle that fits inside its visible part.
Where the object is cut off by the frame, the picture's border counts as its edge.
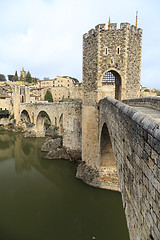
(53, 144)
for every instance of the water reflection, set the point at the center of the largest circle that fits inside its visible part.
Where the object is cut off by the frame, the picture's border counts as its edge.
(42, 199)
(27, 155)
(22, 149)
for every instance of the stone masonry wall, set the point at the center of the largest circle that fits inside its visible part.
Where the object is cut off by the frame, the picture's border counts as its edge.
(96, 62)
(153, 102)
(133, 71)
(123, 56)
(72, 119)
(136, 145)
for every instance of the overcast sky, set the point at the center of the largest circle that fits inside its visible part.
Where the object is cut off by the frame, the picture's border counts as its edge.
(45, 36)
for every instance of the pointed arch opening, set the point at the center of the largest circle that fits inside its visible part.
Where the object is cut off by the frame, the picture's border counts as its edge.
(107, 160)
(107, 155)
(112, 79)
(42, 123)
(25, 117)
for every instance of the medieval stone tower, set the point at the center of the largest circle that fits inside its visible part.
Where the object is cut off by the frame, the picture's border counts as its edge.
(21, 94)
(111, 67)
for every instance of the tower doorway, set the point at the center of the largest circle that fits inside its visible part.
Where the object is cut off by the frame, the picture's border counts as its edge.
(113, 78)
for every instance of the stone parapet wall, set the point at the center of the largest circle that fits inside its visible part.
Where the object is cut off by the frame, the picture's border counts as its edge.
(153, 102)
(136, 145)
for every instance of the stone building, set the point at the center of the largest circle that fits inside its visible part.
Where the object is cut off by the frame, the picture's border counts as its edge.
(61, 88)
(23, 73)
(57, 82)
(111, 67)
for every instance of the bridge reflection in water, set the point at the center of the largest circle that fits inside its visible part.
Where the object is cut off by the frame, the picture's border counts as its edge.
(42, 199)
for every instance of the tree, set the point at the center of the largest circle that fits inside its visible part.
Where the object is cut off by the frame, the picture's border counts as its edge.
(11, 78)
(75, 79)
(146, 90)
(48, 96)
(35, 80)
(2, 77)
(157, 92)
(16, 76)
(21, 78)
(28, 77)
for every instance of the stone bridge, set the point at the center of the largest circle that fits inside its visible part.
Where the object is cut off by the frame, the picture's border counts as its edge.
(127, 143)
(65, 115)
(128, 146)
(120, 142)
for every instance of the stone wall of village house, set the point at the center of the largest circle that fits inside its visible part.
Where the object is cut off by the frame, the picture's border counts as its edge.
(6, 104)
(57, 82)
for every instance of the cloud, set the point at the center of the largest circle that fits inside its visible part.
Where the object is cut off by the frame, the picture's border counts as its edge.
(45, 36)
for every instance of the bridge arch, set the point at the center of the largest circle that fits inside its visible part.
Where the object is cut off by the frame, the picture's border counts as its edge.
(25, 117)
(106, 150)
(107, 160)
(113, 77)
(42, 123)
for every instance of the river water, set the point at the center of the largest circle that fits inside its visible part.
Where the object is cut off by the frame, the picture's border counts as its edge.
(42, 200)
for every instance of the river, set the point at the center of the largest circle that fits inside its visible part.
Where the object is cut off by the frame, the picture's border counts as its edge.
(42, 199)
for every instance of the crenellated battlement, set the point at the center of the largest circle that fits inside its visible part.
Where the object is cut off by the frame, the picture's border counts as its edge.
(113, 27)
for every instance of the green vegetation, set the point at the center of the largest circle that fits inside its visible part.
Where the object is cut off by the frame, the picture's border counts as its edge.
(2, 78)
(48, 96)
(28, 77)
(21, 78)
(146, 90)
(12, 78)
(75, 79)
(4, 112)
(35, 80)
(16, 76)
(47, 116)
(158, 92)
(1, 128)
(11, 117)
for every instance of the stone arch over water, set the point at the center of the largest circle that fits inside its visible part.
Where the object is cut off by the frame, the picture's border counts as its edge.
(112, 77)
(25, 117)
(42, 122)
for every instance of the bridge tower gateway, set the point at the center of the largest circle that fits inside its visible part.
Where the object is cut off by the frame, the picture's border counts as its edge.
(111, 67)
(21, 94)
